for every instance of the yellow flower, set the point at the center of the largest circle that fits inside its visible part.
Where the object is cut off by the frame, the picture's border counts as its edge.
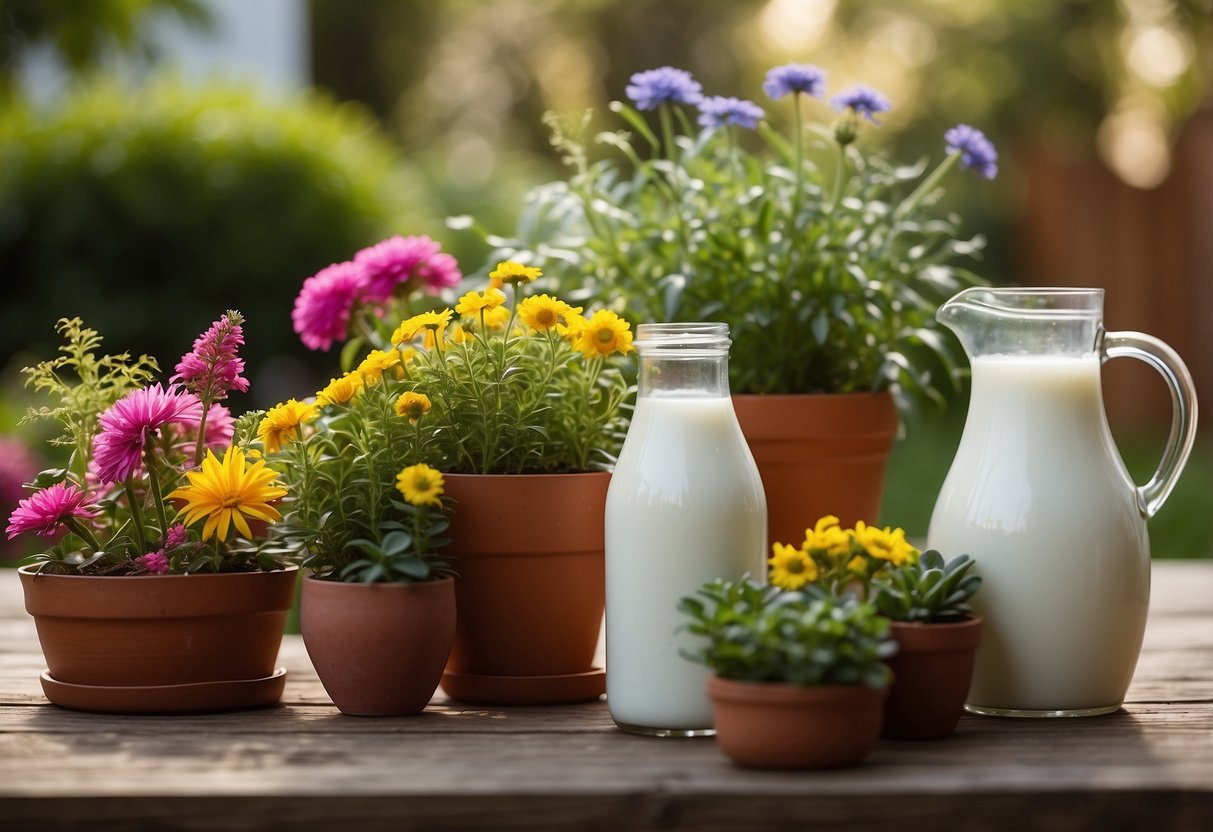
(421, 485)
(508, 271)
(413, 405)
(828, 538)
(604, 334)
(472, 303)
(791, 568)
(227, 492)
(376, 363)
(431, 321)
(457, 334)
(575, 324)
(496, 319)
(885, 544)
(282, 423)
(544, 312)
(340, 390)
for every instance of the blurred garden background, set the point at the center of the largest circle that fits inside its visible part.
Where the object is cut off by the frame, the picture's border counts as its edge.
(164, 160)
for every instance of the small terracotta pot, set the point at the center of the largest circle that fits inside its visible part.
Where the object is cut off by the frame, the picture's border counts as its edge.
(775, 725)
(378, 649)
(530, 592)
(932, 670)
(818, 455)
(153, 631)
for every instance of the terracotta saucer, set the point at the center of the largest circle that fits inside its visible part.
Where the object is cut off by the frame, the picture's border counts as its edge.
(525, 690)
(198, 697)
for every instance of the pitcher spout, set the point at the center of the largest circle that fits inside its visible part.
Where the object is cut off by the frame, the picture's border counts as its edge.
(1025, 321)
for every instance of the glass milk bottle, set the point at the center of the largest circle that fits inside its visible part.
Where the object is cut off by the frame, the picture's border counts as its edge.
(685, 507)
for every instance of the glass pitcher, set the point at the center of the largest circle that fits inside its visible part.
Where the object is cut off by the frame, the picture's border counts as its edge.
(1040, 498)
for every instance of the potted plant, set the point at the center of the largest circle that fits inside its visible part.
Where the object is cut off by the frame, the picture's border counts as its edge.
(937, 636)
(517, 398)
(155, 597)
(826, 261)
(926, 599)
(798, 676)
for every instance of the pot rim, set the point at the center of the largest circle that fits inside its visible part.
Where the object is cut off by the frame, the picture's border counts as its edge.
(863, 394)
(388, 585)
(29, 570)
(775, 693)
(924, 636)
(530, 476)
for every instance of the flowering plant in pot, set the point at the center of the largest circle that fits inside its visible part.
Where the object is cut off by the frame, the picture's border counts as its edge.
(156, 565)
(798, 676)
(926, 599)
(826, 260)
(517, 398)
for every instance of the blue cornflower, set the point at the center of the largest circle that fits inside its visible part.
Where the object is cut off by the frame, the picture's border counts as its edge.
(865, 101)
(664, 85)
(976, 151)
(791, 78)
(718, 111)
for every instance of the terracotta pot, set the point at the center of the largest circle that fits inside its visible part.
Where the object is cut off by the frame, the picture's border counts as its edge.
(141, 634)
(818, 455)
(782, 726)
(378, 649)
(932, 670)
(529, 597)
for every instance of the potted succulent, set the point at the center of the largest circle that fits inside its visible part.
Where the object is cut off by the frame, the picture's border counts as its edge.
(937, 636)
(826, 261)
(156, 596)
(798, 677)
(926, 599)
(517, 398)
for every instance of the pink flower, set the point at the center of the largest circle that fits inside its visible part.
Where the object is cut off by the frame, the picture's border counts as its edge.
(220, 426)
(44, 511)
(176, 536)
(17, 467)
(213, 368)
(154, 562)
(130, 421)
(403, 263)
(322, 309)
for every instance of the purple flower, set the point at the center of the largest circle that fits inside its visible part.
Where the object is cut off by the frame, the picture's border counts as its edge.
(976, 151)
(154, 562)
(176, 536)
(665, 85)
(403, 263)
(719, 111)
(212, 367)
(865, 101)
(792, 78)
(44, 511)
(322, 310)
(220, 427)
(130, 421)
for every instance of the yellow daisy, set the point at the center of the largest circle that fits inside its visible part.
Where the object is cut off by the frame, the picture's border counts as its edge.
(575, 324)
(472, 303)
(828, 538)
(340, 390)
(421, 485)
(281, 423)
(495, 320)
(604, 334)
(376, 363)
(544, 312)
(885, 544)
(791, 568)
(413, 406)
(430, 321)
(227, 492)
(508, 271)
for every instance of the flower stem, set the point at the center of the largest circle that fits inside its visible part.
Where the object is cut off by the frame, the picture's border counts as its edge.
(154, 482)
(840, 171)
(81, 531)
(799, 127)
(136, 514)
(927, 185)
(200, 445)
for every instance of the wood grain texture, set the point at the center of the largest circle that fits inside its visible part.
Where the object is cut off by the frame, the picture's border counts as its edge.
(302, 765)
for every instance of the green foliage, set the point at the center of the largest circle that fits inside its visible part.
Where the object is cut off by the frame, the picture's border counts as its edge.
(180, 201)
(928, 590)
(756, 633)
(827, 266)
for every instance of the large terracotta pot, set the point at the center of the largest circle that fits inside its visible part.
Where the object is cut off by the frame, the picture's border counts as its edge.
(378, 649)
(932, 670)
(529, 597)
(818, 455)
(781, 726)
(160, 643)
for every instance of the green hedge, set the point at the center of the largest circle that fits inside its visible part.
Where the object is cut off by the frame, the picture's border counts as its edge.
(150, 212)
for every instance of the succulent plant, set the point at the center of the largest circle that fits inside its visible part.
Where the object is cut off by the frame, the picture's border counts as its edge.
(928, 590)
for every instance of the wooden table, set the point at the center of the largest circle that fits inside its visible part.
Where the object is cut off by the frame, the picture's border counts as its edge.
(303, 765)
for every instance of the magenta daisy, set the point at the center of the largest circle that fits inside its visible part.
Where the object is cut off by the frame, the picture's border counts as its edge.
(176, 536)
(128, 423)
(403, 263)
(43, 512)
(154, 562)
(322, 310)
(212, 367)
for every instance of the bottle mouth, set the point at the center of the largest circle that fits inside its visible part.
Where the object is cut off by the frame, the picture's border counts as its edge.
(1049, 302)
(683, 338)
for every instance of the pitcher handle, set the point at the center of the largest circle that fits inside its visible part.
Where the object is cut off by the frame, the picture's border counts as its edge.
(1161, 357)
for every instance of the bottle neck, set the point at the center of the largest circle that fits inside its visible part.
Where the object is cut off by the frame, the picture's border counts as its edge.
(665, 372)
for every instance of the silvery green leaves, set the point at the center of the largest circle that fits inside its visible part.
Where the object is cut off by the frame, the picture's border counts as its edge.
(930, 590)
